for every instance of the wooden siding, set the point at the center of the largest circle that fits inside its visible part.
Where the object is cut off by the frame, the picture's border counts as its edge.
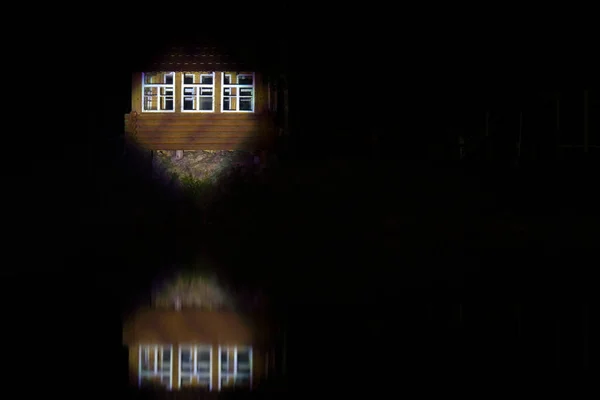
(170, 326)
(214, 131)
(201, 131)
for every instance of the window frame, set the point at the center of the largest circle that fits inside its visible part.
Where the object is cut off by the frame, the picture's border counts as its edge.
(234, 374)
(238, 95)
(194, 348)
(157, 372)
(198, 95)
(159, 86)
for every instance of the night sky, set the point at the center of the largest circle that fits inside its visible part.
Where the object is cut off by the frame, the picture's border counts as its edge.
(79, 258)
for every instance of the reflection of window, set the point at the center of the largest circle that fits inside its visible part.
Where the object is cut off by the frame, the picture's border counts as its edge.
(155, 365)
(195, 366)
(235, 367)
(158, 90)
(238, 96)
(198, 92)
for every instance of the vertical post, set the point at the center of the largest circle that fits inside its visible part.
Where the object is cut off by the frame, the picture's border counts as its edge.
(519, 139)
(374, 145)
(557, 338)
(286, 108)
(267, 356)
(487, 123)
(518, 318)
(585, 120)
(284, 353)
(585, 318)
(518, 340)
(557, 138)
(269, 106)
(488, 144)
(90, 155)
(558, 111)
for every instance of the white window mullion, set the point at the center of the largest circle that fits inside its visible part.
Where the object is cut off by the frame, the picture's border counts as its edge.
(155, 359)
(180, 369)
(195, 358)
(182, 109)
(210, 369)
(253, 91)
(140, 367)
(237, 99)
(219, 356)
(198, 99)
(213, 108)
(171, 347)
(235, 365)
(250, 366)
(222, 102)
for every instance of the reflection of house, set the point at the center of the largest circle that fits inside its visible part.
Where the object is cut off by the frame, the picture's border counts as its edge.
(206, 97)
(212, 350)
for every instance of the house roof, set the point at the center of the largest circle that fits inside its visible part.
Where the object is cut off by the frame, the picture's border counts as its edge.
(192, 326)
(207, 55)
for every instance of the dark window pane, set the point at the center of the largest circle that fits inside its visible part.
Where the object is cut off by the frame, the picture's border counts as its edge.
(188, 79)
(186, 356)
(243, 356)
(207, 80)
(169, 79)
(246, 104)
(203, 368)
(188, 104)
(204, 355)
(205, 104)
(245, 80)
(227, 79)
(168, 104)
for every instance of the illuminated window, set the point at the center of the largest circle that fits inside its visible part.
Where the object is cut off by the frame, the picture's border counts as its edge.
(155, 366)
(198, 92)
(158, 89)
(195, 366)
(235, 367)
(238, 96)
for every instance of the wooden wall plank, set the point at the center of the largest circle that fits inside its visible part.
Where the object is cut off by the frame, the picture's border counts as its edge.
(196, 135)
(204, 146)
(199, 130)
(152, 116)
(186, 140)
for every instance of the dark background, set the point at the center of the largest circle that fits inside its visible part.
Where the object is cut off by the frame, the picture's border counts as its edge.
(69, 276)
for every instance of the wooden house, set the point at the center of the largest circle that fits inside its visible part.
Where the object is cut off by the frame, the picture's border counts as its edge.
(198, 335)
(198, 349)
(208, 97)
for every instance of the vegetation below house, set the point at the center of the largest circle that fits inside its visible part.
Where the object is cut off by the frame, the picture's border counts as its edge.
(192, 290)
